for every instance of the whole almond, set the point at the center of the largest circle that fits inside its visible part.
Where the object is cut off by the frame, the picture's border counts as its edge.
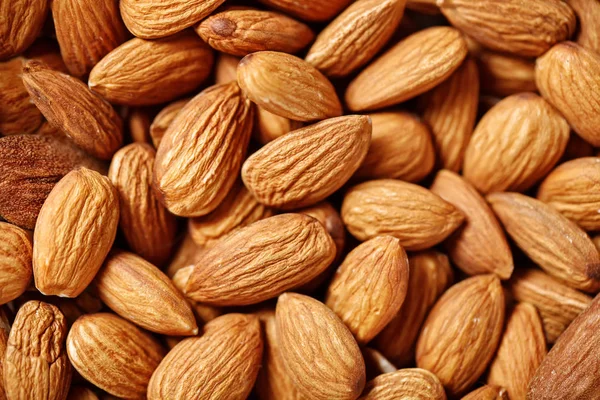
(410, 383)
(21, 23)
(419, 218)
(309, 10)
(74, 232)
(588, 13)
(487, 392)
(308, 330)
(269, 126)
(307, 165)
(267, 76)
(222, 363)
(4, 332)
(504, 75)
(405, 71)
(553, 242)
(461, 333)
(163, 120)
(15, 261)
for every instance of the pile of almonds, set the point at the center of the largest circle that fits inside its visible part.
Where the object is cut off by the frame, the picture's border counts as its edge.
(299, 199)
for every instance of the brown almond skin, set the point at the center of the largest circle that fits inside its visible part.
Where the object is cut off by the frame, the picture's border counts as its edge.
(47, 51)
(480, 246)
(552, 241)
(146, 72)
(266, 77)
(15, 261)
(22, 22)
(211, 133)
(187, 254)
(309, 10)
(474, 311)
(222, 363)
(413, 383)
(399, 75)
(163, 120)
(487, 392)
(511, 26)
(309, 164)
(396, 208)
(588, 13)
(4, 332)
(265, 259)
(113, 354)
(36, 364)
(308, 330)
(505, 75)
(138, 122)
(226, 68)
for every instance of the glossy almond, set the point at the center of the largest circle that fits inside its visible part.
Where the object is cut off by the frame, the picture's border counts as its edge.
(21, 23)
(15, 261)
(410, 383)
(309, 10)
(588, 13)
(163, 120)
(504, 75)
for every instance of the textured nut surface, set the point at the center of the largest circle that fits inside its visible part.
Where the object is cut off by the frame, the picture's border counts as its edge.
(410, 383)
(310, 10)
(15, 261)
(163, 119)
(21, 23)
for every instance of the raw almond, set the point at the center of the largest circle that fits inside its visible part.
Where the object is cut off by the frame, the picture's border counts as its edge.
(47, 51)
(504, 75)
(269, 126)
(21, 23)
(310, 10)
(163, 119)
(186, 255)
(15, 261)
(588, 12)
(138, 121)
(226, 68)
(410, 383)
(4, 332)
(487, 392)
(204, 313)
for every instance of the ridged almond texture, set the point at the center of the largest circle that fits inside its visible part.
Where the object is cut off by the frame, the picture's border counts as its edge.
(4, 332)
(202, 151)
(521, 351)
(113, 354)
(450, 110)
(87, 31)
(401, 148)
(241, 32)
(511, 26)
(148, 227)
(307, 165)
(309, 10)
(221, 364)
(264, 259)
(504, 75)
(74, 232)
(588, 13)
(36, 364)
(287, 86)
(480, 246)
(68, 104)
(15, 261)
(515, 144)
(146, 72)
(21, 23)
(355, 36)
(552, 241)
(163, 120)
(557, 303)
(269, 126)
(568, 76)
(319, 353)
(419, 218)
(370, 286)
(487, 392)
(430, 275)
(142, 294)
(461, 333)
(407, 69)
(410, 383)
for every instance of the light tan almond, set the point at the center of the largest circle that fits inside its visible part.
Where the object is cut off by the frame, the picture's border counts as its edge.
(309, 10)
(504, 75)
(81, 393)
(307, 165)
(4, 332)
(588, 12)
(204, 313)
(487, 392)
(163, 120)
(226, 68)
(410, 383)
(21, 23)
(15, 261)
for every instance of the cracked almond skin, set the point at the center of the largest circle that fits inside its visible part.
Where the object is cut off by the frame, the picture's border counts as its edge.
(4, 332)
(266, 77)
(479, 246)
(36, 364)
(406, 70)
(15, 261)
(588, 13)
(75, 230)
(202, 151)
(309, 10)
(355, 36)
(487, 392)
(146, 72)
(369, 287)
(113, 354)
(461, 333)
(511, 26)
(163, 120)
(505, 75)
(264, 259)
(553, 242)
(222, 363)
(516, 143)
(309, 164)
(562, 75)
(309, 330)
(410, 383)
(68, 104)
(411, 213)
(21, 23)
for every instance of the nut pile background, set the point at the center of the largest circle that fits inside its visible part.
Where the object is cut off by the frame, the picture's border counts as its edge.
(299, 199)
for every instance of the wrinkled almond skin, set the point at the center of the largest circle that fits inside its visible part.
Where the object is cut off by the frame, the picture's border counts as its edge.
(487, 392)
(515, 144)
(145, 72)
(309, 10)
(4, 332)
(504, 75)
(267, 76)
(410, 383)
(473, 310)
(419, 218)
(308, 330)
(74, 232)
(21, 23)
(548, 238)
(202, 151)
(307, 165)
(264, 259)
(588, 13)
(163, 120)
(36, 364)
(15, 261)
(405, 71)
(222, 363)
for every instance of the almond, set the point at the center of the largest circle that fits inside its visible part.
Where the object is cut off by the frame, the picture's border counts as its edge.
(21, 23)
(375, 363)
(553, 242)
(226, 68)
(461, 333)
(310, 10)
(47, 51)
(15, 261)
(4, 332)
(269, 126)
(405, 71)
(309, 164)
(410, 383)
(503, 75)
(163, 119)
(186, 255)
(487, 392)
(74, 232)
(588, 13)
(419, 218)
(308, 330)
(138, 121)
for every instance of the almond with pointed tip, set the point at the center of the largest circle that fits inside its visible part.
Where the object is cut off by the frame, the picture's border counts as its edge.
(21, 23)
(410, 383)
(15, 261)
(309, 10)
